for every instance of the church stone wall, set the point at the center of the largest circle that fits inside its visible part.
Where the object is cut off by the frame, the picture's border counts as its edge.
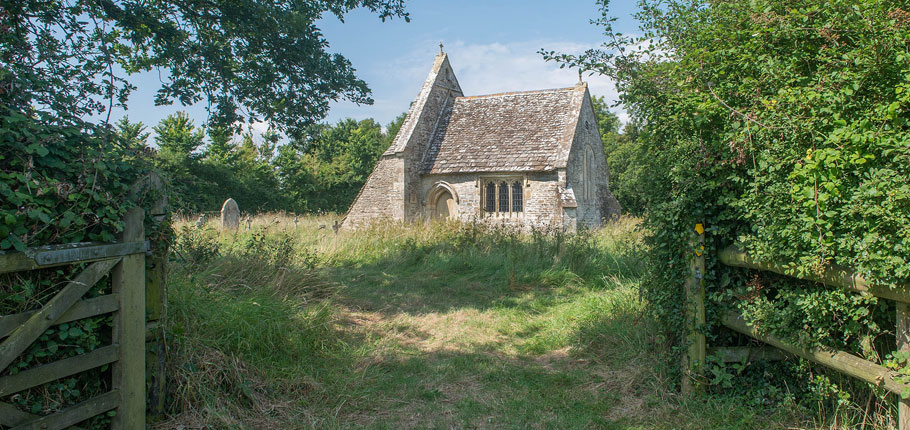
(542, 207)
(595, 202)
(440, 90)
(391, 191)
(398, 191)
(417, 148)
(540, 200)
(382, 195)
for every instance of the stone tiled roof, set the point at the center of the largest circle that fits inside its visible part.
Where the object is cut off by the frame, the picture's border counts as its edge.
(509, 132)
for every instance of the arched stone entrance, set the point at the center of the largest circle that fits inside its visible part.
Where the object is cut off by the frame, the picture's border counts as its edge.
(445, 205)
(442, 201)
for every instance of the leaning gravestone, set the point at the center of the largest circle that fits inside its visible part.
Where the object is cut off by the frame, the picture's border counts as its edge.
(230, 215)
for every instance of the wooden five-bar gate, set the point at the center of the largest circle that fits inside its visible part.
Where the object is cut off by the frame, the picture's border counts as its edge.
(844, 362)
(125, 261)
(137, 304)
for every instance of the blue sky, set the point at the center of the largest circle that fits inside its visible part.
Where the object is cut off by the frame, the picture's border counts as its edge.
(492, 45)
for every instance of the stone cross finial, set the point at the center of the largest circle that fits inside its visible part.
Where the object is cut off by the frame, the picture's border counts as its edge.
(440, 48)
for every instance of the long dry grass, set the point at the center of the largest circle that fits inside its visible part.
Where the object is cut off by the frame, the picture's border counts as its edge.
(446, 325)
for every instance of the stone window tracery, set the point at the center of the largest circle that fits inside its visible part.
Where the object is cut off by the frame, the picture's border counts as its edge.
(490, 200)
(517, 197)
(502, 196)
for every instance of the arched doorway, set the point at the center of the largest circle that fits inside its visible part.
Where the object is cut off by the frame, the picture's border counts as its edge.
(441, 201)
(445, 205)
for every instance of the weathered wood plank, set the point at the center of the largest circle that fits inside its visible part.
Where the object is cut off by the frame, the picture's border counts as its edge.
(11, 416)
(23, 336)
(153, 187)
(129, 329)
(58, 369)
(82, 309)
(739, 354)
(694, 361)
(14, 261)
(60, 255)
(81, 412)
(838, 360)
(835, 276)
(902, 333)
(155, 281)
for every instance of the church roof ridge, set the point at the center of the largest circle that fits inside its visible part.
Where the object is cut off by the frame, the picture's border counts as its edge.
(519, 93)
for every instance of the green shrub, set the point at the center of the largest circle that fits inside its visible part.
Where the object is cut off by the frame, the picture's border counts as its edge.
(60, 181)
(783, 127)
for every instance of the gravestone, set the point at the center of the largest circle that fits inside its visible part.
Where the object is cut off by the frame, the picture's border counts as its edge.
(230, 215)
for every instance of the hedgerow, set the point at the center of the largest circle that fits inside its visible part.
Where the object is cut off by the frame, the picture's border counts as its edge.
(781, 125)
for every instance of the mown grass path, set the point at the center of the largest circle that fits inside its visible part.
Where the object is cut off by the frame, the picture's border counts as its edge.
(439, 352)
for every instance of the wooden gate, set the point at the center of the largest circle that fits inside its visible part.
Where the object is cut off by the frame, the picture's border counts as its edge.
(125, 261)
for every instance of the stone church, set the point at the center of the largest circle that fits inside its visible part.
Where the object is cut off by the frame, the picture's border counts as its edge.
(532, 158)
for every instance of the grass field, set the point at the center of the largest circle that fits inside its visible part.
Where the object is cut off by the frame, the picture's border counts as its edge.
(429, 326)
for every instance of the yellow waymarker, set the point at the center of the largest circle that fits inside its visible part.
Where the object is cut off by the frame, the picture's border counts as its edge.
(700, 229)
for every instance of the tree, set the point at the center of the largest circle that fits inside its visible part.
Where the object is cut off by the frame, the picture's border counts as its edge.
(624, 156)
(221, 147)
(177, 137)
(265, 58)
(324, 171)
(132, 134)
(628, 181)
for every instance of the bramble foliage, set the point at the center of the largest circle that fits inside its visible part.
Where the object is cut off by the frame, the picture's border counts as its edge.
(59, 182)
(784, 126)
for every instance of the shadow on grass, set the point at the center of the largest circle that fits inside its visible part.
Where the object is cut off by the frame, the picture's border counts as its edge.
(495, 273)
(465, 389)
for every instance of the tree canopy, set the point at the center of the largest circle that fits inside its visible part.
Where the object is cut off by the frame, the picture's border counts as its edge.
(248, 60)
(66, 171)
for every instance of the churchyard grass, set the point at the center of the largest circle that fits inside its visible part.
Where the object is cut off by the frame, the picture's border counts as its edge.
(440, 325)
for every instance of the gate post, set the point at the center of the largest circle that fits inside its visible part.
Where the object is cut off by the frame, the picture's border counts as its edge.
(152, 187)
(129, 328)
(694, 361)
(902, 332)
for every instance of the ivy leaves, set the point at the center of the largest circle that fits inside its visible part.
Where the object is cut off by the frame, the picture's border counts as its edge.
(59, 183)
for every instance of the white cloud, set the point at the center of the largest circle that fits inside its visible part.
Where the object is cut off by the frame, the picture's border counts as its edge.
(480, 69)
(493, 68)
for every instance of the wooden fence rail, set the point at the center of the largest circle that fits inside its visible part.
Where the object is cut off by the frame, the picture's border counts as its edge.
(125, 262)
(836, 276)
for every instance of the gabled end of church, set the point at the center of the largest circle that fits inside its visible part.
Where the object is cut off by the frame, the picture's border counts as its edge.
(508, 157)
